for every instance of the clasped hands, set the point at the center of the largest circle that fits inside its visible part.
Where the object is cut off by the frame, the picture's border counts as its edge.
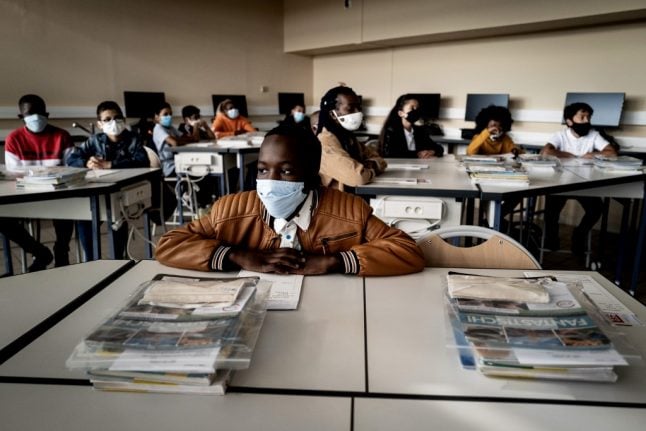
(98, 163)
(284, 261)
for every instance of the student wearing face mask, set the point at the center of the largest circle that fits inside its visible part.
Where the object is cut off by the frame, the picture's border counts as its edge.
(492, 125)
(194, 125)
(578, 139)
(297, 117)
(229, 122)
(345, 161)
(115, 147)
(166, 136)
(291, 224)
(39, 143)
(402, 136)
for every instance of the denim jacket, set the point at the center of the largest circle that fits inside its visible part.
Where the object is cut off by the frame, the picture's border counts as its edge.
(128, 152)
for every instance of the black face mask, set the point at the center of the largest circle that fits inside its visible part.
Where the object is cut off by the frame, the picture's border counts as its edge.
(413, 116)
(581, 129)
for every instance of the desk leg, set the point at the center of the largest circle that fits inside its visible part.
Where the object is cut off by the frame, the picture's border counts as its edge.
(178, 195)
(640, 246)
(96, 228)
(8, 263)
(108, 214)
(623, 232)
(149, 246)
(241, 173)
(497, 215)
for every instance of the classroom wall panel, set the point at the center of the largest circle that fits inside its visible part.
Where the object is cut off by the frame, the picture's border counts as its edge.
(535, 69)
(318, 27)
(76, 53)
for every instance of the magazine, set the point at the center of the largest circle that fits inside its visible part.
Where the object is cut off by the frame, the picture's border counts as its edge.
(561, 302)
(217, 386)
(138, 309)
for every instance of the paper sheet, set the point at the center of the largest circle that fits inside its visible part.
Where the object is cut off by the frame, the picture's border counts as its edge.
(285, 289)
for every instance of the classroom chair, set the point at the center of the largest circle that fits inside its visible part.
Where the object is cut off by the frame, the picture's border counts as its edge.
(441, 249)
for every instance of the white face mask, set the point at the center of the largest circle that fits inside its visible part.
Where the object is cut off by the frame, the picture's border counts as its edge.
(114, 127)
(35, 123)
(298, 116)
(350, 122)
(281, 198)
(233, 113)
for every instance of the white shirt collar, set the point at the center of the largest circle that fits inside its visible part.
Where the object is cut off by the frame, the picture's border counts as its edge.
(287, 229)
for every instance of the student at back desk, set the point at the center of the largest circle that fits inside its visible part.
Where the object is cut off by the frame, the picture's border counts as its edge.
(115, 148)
(38, 144)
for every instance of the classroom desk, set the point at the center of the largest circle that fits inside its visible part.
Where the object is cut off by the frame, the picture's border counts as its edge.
(219, 150)
(24, 314)
(72, 203)
(442, 178)
(405, 315)
(78, 408)
(318, 348)
(371, 414)
(409, 379)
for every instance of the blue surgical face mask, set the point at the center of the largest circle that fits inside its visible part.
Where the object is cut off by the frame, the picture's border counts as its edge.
(281, 198)
(299, 116)
(233, 113)
(166, 120)
(35, 123)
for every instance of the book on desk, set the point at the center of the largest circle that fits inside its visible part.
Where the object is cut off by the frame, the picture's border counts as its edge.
(136, 348)
(530, 340)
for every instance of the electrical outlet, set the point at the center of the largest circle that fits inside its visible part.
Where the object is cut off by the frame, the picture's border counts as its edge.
(135, 194)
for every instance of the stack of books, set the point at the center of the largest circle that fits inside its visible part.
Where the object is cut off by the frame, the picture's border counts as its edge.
(539, 161)
(618, 163)
(527, 328)
(504, 176)
(176, 335)
(51, 178)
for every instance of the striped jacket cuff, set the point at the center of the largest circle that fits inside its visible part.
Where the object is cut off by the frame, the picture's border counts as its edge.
(350, 262)
(218, 260)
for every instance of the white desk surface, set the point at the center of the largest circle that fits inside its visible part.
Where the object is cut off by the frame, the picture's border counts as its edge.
(28, 299)
(318, 347)
(405, 415)
(9, 193)
(76, 408)
(443, 173)
(407, 348)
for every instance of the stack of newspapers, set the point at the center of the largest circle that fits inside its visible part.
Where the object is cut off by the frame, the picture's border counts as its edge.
(176, 335)
(495, 171)
(539, 161)
(618, 163)
(51, 178)
(527, 328)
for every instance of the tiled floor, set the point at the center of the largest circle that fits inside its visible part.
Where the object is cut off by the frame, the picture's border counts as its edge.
(552, 260)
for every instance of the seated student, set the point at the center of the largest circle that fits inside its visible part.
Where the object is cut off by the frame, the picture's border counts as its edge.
(196, 128)
(194, 125)
(40, 144)
(578, 139)
(166, 136)
(14, 231)
(401, 137)
(492, 125)
(297, 117)
(344, 161)
(291, 224)
(229, 122)
(115, 148)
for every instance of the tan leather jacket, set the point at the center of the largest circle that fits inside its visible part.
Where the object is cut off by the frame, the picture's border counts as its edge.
(338, 168)
(341, 223)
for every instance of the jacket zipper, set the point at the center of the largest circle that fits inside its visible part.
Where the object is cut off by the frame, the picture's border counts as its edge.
(325, 241)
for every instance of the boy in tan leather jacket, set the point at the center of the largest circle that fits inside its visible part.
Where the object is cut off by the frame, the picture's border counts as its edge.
(291, 224)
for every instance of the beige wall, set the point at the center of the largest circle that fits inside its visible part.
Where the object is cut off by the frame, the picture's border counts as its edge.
(535, 69)
(76, 53)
